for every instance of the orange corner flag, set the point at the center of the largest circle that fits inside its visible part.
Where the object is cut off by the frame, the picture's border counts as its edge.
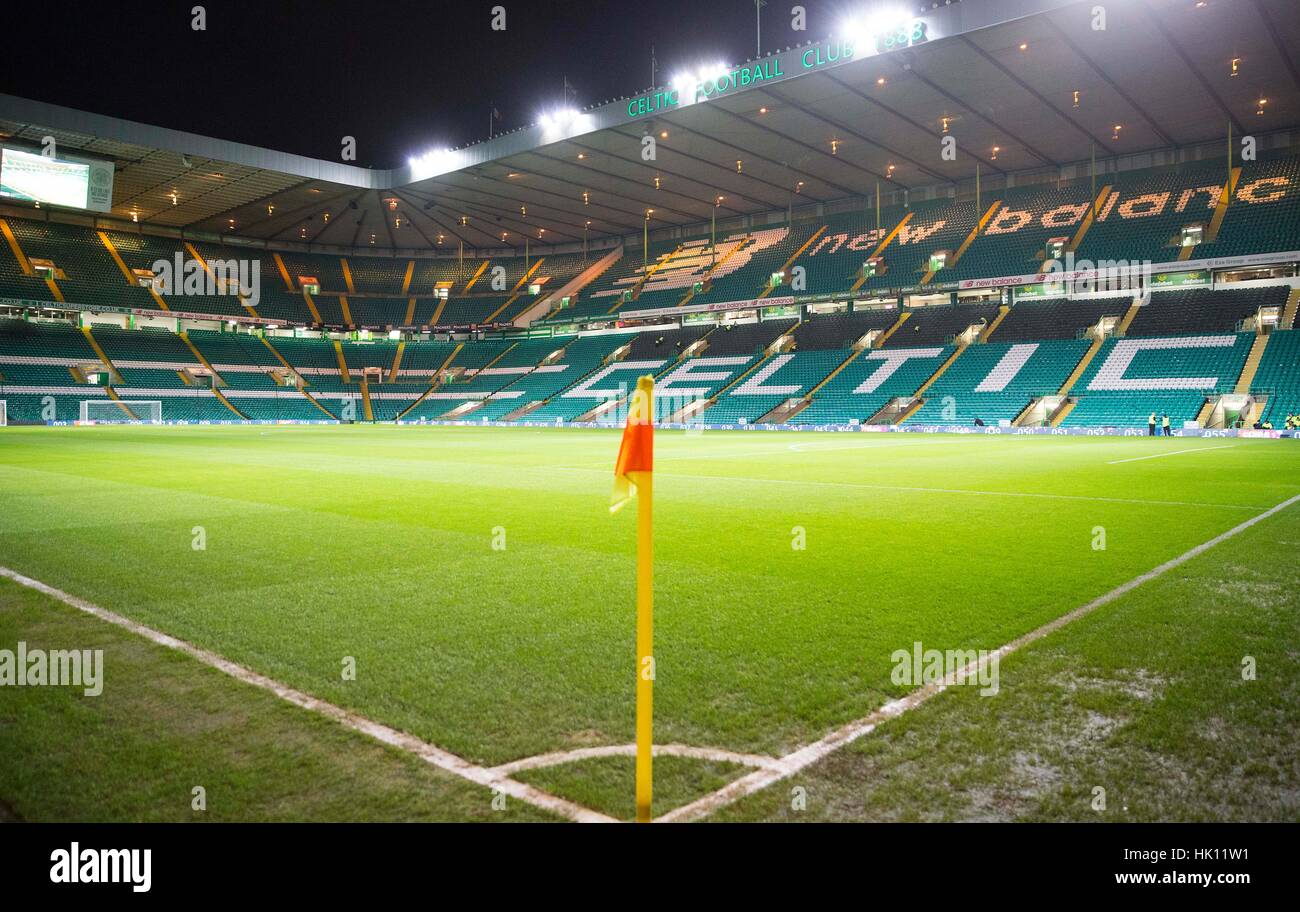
(636, 453)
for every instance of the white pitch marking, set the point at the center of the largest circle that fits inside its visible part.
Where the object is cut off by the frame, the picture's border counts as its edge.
(1226, 446)
(558, 758)
(805, 756)
(434, 756)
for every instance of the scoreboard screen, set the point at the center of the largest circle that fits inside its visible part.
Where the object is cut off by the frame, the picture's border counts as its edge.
(69, 181)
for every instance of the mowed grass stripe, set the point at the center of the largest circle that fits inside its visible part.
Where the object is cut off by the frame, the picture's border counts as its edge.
(498, 655)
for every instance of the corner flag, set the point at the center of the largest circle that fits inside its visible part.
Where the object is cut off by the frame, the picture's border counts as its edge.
(636, 453)
(633, 477)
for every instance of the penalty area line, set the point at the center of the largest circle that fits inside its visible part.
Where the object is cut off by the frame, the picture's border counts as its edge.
(434, 756)
(798, 760)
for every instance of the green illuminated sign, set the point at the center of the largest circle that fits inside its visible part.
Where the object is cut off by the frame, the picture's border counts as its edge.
(815, 57)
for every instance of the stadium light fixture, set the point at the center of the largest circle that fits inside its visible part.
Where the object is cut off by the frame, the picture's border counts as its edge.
(435, 161)
(1236, 67)
(1024, 45)
(1260, 109)
(762, 110)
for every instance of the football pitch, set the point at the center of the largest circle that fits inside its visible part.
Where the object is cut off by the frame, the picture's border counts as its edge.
(468, 587)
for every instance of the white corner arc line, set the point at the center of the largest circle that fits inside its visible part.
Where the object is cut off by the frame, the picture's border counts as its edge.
(558, 758)
(1226, 446)
(805, 756)
(434, 756)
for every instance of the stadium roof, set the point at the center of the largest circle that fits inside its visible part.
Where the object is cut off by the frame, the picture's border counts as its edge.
(827, 120)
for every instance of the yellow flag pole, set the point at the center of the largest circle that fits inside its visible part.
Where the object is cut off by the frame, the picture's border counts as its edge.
(645, 626)
(645, 607)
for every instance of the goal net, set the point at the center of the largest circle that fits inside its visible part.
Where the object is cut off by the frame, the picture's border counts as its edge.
(129, 411)
(4, 413)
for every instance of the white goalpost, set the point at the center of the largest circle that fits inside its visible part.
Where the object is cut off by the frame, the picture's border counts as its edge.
(4, 413)
(126, 411)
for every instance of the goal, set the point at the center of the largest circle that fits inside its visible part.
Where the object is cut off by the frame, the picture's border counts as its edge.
(132, 411)
(4, 413)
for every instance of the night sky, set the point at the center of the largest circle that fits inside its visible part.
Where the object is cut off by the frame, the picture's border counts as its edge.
(402, 77)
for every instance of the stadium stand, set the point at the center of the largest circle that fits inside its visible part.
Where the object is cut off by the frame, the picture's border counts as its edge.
(1278, 377)
(1202, 310)
(841, 330)
(997, 381)
(1131, 377)
(938, 325)
(867, 384)
(1058, 318)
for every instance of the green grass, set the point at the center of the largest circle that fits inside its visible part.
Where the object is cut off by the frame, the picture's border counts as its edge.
(165, 725)
(376, 543)
(1144, 698)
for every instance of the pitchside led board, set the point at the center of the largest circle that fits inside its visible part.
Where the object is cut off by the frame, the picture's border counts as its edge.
(65, 180)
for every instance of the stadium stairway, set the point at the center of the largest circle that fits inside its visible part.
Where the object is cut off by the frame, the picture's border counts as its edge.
(366, 408)
(997, 321)
(1289, 310)
(550, 305)
(102, 355)
(126, 272)
(965, 245)
(880, 249)
(515, 292)
(1129, 316)
(884, 337)
(1251, 367)
(343, 362)
(433, 384)
(768, 287)
(1089, 217)
(226, 402)
(943, 368)
(1216, 221)
(216, 378)
(397, 362)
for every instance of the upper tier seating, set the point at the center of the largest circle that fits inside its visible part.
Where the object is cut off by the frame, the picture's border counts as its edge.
(1014, 240)
(1147, 210)
(1264, 215)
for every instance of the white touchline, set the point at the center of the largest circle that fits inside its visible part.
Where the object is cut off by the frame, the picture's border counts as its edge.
(1226, 446)
(846, 734)
(434, 756)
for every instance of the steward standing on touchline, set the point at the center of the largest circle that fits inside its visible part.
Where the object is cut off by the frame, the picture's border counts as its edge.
(1151, 425)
